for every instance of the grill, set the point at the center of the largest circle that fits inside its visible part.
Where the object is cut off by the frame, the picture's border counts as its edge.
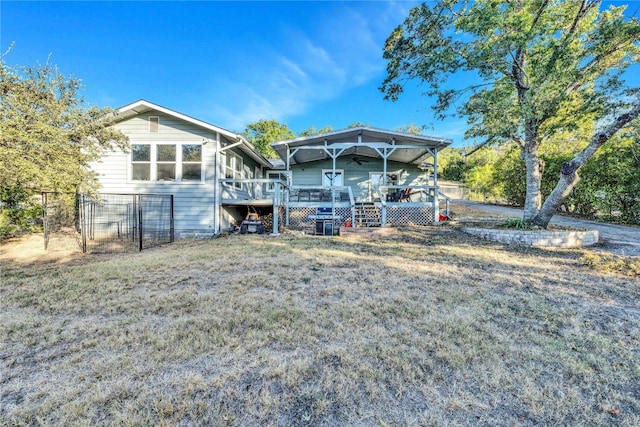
(327, 223)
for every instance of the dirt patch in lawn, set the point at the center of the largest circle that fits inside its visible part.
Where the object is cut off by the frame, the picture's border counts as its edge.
(434, 327)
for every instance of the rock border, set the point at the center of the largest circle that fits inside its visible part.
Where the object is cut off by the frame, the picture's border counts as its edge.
(535, 238)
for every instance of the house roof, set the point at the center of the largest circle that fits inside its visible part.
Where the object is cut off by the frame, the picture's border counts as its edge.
(142, 106)
(364, 142)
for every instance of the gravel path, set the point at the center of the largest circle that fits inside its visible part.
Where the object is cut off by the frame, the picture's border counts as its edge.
(616, 239)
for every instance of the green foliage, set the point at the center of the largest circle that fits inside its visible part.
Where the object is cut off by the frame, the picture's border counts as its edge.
(358, 124)
(528, 72)
(311, 130)
(480, 174)
(510, 172)
(47, 139)
(517, 224)
(510, 176)
(608, 190)
(19, 212)
(263, 132)
(451, 164)
(47, 136)
(411, 128)
(610, 187)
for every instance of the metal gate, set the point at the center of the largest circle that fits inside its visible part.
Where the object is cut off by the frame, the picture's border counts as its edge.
(59, 218)
(116, 222)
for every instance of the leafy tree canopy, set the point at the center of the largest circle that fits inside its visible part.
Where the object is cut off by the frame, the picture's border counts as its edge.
(311, 130)
(47, 135)
(545, 70)
(264, 132)
(411, 128)
(357, 125)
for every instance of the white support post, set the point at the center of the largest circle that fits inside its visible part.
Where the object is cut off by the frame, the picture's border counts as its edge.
(436, 203)
(276, 208)
(333, 190)
(383, 213)
(289, 183)
(217, 197)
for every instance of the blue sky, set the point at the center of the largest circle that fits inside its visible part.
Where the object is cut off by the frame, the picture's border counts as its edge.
(302, 63)
(228, 63)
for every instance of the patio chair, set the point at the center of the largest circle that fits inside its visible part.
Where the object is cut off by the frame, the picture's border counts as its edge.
(405, 195)
(395, 197)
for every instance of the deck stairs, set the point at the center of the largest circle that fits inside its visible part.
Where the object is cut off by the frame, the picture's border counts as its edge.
(367, 215)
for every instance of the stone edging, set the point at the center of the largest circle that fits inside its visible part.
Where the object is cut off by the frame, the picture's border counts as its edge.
(541, 239)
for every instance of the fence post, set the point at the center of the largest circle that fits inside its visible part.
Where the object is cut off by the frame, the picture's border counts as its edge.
(171, 229)
(83, 223)
(139, 197)
(45, 229)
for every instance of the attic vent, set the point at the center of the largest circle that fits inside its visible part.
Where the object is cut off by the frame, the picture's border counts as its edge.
(154, 122)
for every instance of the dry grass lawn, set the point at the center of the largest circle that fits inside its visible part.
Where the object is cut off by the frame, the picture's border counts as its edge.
(433, 327)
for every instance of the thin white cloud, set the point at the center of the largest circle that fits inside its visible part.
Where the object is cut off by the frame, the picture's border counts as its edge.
(304, 67)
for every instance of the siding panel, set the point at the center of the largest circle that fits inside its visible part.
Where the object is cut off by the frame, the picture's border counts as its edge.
(193, 202)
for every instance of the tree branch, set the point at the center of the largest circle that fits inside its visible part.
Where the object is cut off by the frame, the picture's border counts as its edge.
(601, 137)
(582, 11)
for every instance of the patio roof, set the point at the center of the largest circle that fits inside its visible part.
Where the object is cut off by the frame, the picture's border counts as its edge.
(363, 142)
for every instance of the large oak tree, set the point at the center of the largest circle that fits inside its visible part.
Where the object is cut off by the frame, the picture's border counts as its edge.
(528, 71)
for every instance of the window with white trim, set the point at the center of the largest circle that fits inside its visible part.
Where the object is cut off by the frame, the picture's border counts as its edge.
(331, 178)
(274, 175)
(233, 166)
(166, 162)
(141, 162)
(191, 162)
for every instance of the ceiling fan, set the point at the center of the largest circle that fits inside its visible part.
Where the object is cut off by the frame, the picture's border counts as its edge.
(356, 159)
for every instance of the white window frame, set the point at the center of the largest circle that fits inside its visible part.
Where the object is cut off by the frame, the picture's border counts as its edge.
(325, 177)
(190, 162)
(149, 162)
(153, 164)
(173, 162)
(236, 169)
(273, 175)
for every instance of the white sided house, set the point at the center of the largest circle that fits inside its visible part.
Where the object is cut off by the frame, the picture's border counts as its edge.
(359, 177)
(172, 153)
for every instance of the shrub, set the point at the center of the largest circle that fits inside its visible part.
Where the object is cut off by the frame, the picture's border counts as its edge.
(19, 211)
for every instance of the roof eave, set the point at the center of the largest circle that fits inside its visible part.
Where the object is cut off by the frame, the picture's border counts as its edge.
(141, 106)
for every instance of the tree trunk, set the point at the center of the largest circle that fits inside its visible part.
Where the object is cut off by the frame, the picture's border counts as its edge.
(568, 179)
(533, 198)
(569, 171)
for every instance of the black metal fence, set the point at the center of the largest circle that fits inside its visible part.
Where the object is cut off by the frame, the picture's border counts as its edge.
(59, 218)
(117, 222)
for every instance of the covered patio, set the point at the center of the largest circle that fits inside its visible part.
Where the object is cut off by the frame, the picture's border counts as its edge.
(365, 176)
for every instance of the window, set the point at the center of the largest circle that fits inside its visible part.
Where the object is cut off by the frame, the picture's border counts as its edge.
(329, 179)
(154, 123)
(166, 162)
(274, 175)
(141, 162)
(191, 162)
(233, 167)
